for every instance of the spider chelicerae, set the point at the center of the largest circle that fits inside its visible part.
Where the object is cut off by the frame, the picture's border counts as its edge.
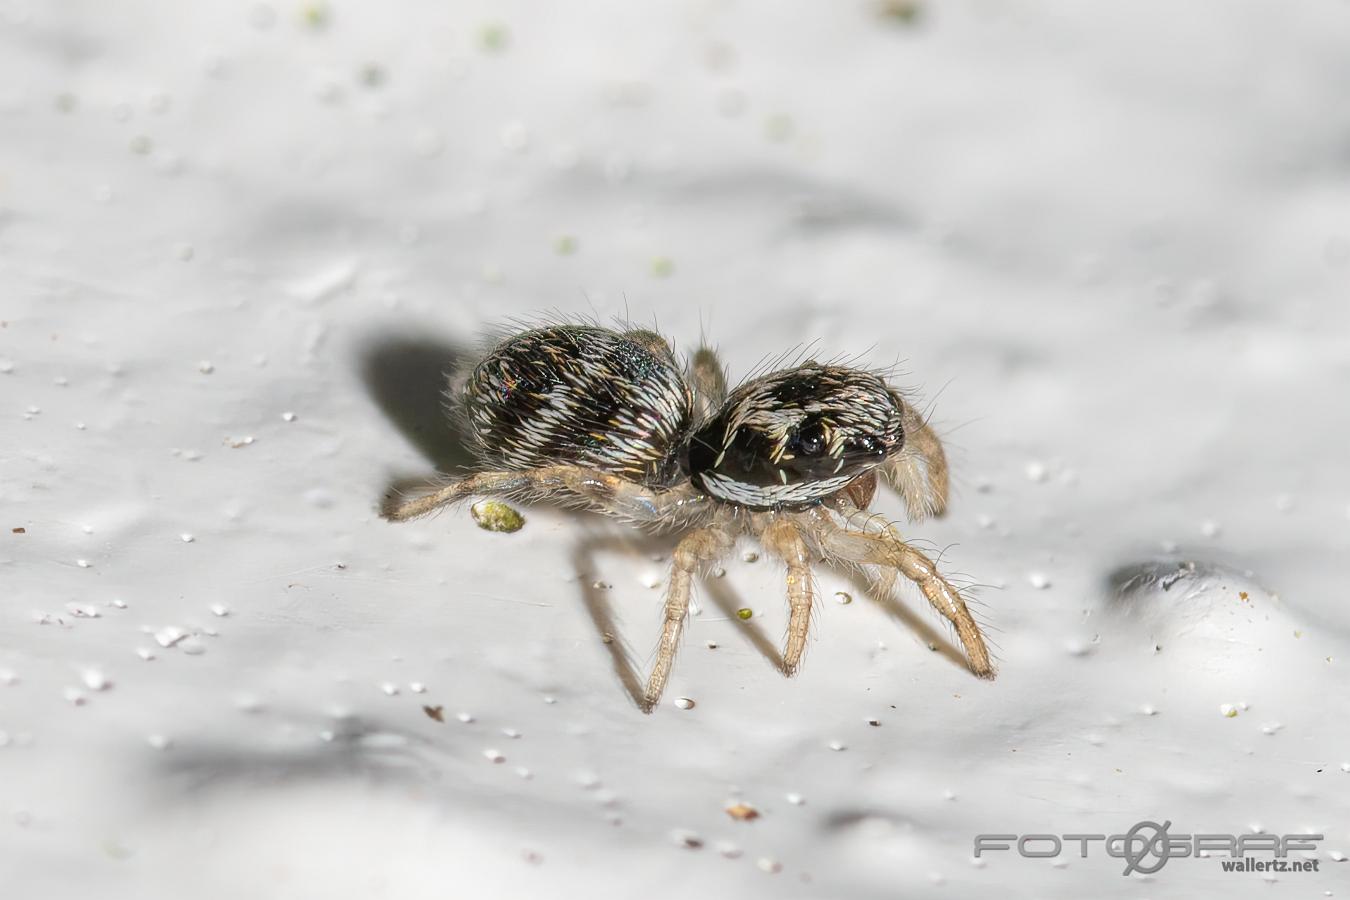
(610, 420)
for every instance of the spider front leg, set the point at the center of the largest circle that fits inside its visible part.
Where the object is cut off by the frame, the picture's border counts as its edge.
(783, 540)
(703, 546)
(919, 472)
(598, 490)
(868, 540)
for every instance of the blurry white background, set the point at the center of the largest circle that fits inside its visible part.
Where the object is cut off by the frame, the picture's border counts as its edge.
(1108, 243)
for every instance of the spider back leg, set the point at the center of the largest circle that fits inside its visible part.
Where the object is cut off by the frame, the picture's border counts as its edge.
(600, 491)
(701, 547)
(709, 380)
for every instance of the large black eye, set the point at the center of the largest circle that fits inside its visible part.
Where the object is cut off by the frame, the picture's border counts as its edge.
(810, 440)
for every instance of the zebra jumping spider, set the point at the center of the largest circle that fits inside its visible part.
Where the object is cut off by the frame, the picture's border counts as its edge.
(610, 421)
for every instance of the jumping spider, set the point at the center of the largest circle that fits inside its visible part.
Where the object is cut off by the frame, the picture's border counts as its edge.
(611, 421)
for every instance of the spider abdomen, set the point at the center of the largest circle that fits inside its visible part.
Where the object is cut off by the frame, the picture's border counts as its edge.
(578, 394)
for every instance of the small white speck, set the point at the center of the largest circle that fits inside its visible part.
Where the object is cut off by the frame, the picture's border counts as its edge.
(389, 688)
(417, 687)
(650, 580)
(684, 703)
(686, 839)
(120, 604)
(796, 799)
(145, 653)
(1149, 709)
(843, 598)
(159, 741)
(550, 700)
(466, 718)
(74, 695)
(206, 367)
(1209, 528)
(1228, 710)
(837, 746)
(1039, 580)
(95, 680)
(220, 610)
(769, 865)
(169, 635)
(288, 417)
(186, 538)
(1271, 728)
(494, 756)
(515, 136)
(750, 556)
(1036, 471)
(512, 733)
(524, 773)
(8, 677)
(82, 563)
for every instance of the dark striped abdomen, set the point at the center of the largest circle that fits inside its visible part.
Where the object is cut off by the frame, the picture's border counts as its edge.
(583, 395)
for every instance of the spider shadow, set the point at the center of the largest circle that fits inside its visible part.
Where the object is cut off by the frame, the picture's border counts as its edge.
(891, 605)
(601, 609)
(405, 374)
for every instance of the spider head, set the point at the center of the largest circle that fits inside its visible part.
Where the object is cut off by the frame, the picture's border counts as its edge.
(791, 438)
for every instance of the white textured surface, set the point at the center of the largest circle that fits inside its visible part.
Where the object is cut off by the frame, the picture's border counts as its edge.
(1114, 238)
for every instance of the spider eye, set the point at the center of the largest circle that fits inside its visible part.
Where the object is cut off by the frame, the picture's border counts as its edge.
(810, 440)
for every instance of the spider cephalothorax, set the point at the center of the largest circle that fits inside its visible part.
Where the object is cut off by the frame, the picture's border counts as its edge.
(608, 419)
(792, 438)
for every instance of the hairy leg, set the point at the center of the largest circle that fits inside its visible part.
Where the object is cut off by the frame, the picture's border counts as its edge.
(919, 472)
(783, 539)
(710, 381)
(598, 490)
(702, 546)
(868, 540)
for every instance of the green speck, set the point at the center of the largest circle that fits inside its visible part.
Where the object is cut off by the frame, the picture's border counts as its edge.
(744, 613)
(779, 127)
(494, 37)
(565, 245)
(903, 12)
(493, 515)
(316, 14)
(662, 266)
(371, 75)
